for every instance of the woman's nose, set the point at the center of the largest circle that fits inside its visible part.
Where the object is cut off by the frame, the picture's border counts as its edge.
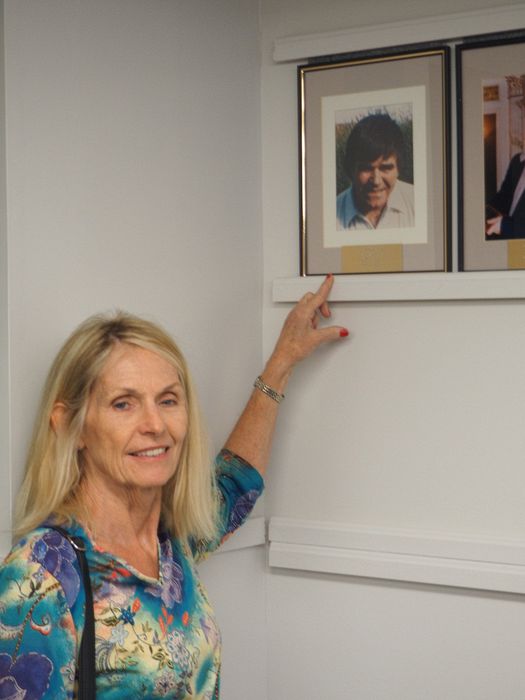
(152, 420)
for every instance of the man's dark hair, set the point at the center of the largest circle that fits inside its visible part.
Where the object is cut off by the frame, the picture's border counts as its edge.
(374, 136)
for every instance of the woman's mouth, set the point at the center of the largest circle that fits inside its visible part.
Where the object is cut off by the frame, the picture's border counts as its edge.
(151, 452)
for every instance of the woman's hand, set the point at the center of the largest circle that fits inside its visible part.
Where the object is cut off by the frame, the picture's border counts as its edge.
(300, 335)
(252, 435)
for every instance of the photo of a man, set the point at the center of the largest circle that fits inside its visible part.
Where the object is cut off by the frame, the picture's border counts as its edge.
(504, 157)
(376, 197)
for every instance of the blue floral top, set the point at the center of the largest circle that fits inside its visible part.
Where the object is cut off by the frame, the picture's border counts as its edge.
(154, 637)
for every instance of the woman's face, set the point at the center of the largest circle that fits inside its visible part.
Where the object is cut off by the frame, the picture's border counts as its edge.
(136, 421)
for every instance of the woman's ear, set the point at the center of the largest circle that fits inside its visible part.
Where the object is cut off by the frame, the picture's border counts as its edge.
(59, 418)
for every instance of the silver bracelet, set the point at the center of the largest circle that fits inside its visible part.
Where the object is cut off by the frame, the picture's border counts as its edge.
(275, 395)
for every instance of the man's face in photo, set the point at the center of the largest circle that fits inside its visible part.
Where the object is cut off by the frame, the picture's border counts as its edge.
(373, 182)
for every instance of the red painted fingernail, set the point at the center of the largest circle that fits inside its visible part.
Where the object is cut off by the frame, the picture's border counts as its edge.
(330, 274)
(343, 332)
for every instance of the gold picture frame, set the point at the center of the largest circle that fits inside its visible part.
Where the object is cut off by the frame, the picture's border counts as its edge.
(411, 229)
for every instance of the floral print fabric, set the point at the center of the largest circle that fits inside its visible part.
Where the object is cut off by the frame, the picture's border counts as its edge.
(154, 638)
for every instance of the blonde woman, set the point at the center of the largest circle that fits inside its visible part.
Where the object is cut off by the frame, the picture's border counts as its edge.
(118, 459)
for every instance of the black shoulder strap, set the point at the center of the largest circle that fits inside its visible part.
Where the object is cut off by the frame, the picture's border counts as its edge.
(86, 663)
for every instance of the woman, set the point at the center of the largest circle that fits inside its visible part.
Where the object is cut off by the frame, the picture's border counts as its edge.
(118, 459)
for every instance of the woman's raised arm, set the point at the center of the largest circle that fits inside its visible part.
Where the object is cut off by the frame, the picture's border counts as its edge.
(300, 335)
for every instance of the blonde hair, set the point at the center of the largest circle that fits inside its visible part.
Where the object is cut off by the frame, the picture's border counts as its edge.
(54, 470)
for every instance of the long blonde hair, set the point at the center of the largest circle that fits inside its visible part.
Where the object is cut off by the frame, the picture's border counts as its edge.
(54, 470)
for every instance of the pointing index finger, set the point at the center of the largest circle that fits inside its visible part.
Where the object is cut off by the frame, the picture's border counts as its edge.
(320, 297)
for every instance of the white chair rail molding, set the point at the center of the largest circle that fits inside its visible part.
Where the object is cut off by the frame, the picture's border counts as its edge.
(398, 555)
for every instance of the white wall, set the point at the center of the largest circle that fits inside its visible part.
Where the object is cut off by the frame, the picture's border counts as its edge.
(133, 180)
(353, 638)
(413, 424)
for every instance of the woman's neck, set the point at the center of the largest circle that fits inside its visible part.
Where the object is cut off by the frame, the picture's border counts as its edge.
(124, 522)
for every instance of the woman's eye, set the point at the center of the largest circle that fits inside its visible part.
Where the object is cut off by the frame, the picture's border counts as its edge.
(121, 405)
(169, 402)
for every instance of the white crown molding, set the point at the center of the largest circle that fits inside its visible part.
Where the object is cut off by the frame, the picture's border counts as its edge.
(398, 555)
(437, 28)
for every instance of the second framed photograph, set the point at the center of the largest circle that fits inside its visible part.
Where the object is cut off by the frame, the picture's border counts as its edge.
(374, 163)
(491, 154)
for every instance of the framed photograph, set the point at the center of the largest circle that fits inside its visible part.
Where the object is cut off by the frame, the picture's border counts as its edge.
(491, 154)
(374, 163)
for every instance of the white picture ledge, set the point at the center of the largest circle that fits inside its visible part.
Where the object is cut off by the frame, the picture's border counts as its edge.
(398, 555)
(409, 286)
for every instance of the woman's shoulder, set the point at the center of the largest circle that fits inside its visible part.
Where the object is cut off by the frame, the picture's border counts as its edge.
(22, 550)
(46, 557)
